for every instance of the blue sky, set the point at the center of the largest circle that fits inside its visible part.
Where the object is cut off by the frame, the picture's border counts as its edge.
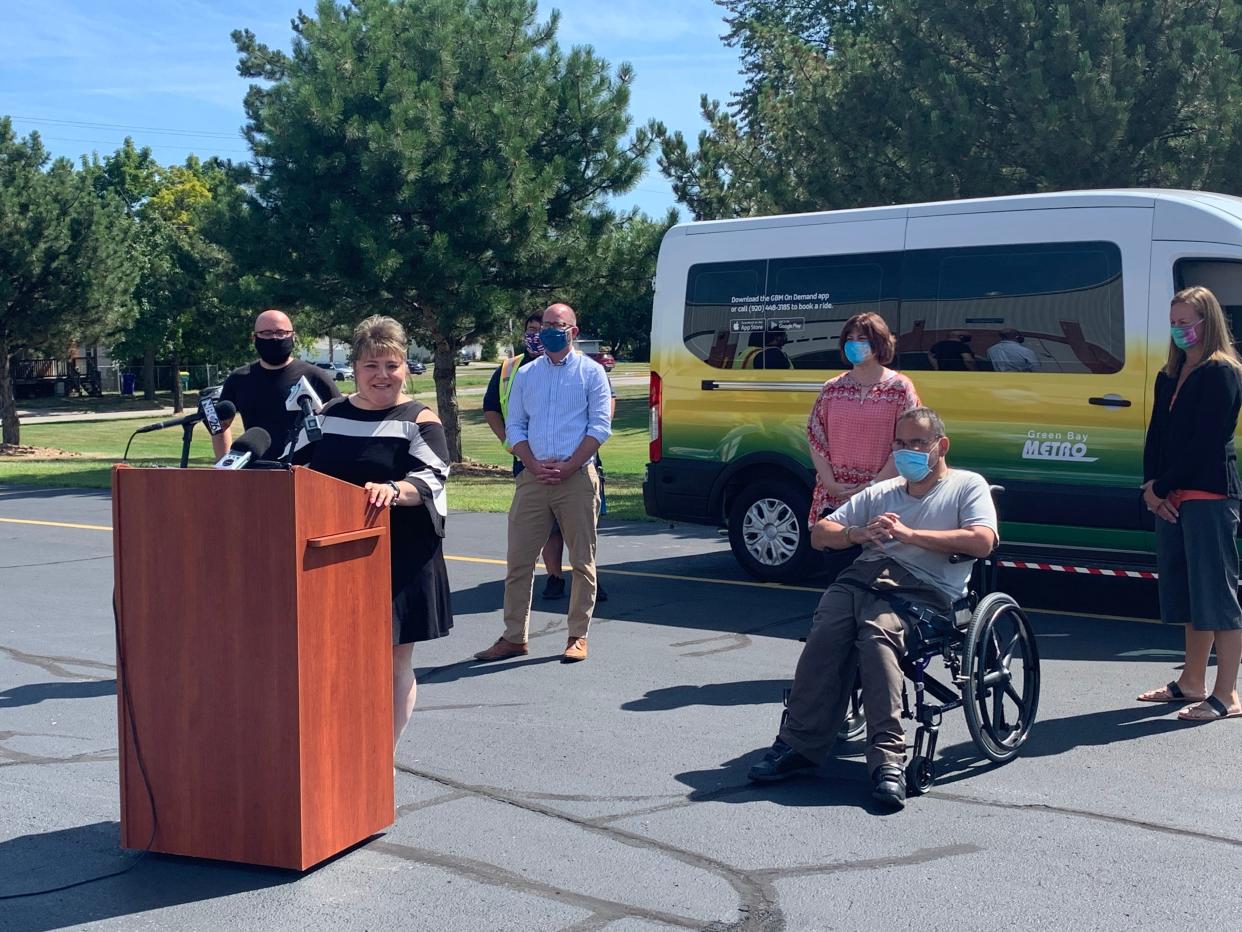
(170, 68)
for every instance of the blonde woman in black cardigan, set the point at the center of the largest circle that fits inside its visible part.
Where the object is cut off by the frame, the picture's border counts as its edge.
(1190, 468)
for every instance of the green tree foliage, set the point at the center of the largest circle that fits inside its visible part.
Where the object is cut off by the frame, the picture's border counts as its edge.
(613, 290)
(850, 104)
(64, 266)
(183, 277)
(433, 160)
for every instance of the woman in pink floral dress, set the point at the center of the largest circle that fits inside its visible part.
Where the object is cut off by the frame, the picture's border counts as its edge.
(851, 426)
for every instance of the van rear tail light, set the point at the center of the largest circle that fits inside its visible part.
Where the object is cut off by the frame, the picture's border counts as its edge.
(654, 398)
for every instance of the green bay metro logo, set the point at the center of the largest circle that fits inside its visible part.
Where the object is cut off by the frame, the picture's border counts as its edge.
(1070, 447)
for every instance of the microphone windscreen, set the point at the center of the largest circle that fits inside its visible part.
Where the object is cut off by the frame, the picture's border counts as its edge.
(254, 441)
(225, 410)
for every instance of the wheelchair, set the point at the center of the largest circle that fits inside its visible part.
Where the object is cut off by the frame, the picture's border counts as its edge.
(989, 653)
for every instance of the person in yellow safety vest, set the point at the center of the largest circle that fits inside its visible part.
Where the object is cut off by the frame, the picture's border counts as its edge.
(763, 351)
(744, 356)
(495, 410)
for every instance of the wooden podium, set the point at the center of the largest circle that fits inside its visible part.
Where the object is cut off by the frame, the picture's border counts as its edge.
(255, 633)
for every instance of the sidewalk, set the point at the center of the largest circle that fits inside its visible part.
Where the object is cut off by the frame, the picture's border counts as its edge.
(28, 417)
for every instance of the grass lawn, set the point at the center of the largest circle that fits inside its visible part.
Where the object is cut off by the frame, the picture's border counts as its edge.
(101, 443)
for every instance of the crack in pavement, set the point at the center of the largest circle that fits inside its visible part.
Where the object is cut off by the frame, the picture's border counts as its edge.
(755, 888)
(1091, 816)
(428, 803)
(600, 909)
(920, 856)
(757, 896)
(741, 788)
(16, 566)
(52, 664)
(740, 639)
(12, 758)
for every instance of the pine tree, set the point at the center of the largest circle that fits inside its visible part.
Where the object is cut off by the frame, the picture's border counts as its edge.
(432, 160)
(64, 259)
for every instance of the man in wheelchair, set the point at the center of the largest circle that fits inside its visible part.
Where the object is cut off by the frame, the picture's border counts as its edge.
(909, 528)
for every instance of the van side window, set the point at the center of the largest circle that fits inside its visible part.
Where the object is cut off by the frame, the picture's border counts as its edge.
(1054, 307)
(723, 300)
(809, 299)
(786, 313)
(1224, 278)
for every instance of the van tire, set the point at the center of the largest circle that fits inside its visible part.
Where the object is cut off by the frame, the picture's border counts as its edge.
(768, 530)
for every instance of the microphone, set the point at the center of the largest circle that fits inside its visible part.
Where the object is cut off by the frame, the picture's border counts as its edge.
(249, 446)
(213, 412)
(302, 399)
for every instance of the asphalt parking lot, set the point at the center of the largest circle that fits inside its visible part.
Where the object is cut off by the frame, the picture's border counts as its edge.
(611, 795)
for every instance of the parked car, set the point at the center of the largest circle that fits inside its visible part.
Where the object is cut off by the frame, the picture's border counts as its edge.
(605, 359)
(340, 371)
(417, 368)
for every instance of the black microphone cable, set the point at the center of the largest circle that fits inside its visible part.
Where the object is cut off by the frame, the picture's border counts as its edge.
(142, 768)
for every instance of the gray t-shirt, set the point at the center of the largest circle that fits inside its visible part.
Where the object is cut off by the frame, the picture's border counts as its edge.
(960, 500)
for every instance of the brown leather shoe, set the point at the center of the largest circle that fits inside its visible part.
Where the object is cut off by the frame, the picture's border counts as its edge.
(575, 650)
(502, 650)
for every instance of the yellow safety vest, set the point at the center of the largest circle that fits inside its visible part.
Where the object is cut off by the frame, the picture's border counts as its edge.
(508, 370)
(746, 358)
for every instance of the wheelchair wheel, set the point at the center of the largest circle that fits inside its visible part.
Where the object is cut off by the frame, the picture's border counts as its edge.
(920, 775)
(855, 719)
(1001, 666)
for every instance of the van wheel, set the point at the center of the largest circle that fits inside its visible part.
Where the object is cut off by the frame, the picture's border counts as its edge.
(768, 531)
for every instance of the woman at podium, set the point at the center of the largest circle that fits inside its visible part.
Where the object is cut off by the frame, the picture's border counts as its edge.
(394, 447)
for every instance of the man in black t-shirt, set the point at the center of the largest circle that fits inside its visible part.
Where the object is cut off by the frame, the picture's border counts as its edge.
(953, 354)
(259, 390)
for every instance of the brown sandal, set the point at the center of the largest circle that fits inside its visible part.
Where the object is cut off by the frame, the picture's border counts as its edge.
(1169, 693)
(1210, 710)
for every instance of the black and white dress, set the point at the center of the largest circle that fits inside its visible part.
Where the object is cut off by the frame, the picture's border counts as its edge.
(362, 446)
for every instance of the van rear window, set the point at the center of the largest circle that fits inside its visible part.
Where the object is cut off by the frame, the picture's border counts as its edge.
(1053, 307)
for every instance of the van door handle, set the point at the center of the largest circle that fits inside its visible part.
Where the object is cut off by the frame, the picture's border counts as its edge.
(1110, 401)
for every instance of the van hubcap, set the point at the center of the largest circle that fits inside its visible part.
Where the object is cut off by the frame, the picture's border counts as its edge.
(771, 532)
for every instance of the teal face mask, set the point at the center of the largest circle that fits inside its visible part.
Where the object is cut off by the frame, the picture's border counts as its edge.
(1185, 337)
(857, 351)
(912, 465)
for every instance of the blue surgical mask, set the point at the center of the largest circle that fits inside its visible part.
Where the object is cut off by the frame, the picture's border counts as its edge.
(553, 340)
(912, 465)
(857, 350)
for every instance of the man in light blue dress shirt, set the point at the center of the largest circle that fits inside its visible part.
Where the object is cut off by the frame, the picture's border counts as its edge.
(560, 413)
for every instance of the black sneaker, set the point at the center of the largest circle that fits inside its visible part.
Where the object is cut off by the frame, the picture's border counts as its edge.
(554, 588)
(780, 762)
(600, 594)
(889, 787)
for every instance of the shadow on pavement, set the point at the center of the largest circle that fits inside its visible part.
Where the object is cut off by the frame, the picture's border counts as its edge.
(34, 693)
(1051, 737)
(745, 692)
(465, 669)
(838, 783)
(50, 859)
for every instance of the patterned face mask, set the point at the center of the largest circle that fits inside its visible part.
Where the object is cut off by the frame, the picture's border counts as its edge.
(1185, 337)
(534, 345)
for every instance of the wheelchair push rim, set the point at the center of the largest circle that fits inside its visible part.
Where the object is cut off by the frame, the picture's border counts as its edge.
(1001, 669)
(855, 722)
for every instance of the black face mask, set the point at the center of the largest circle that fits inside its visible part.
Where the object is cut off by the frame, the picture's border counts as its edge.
(274, 352)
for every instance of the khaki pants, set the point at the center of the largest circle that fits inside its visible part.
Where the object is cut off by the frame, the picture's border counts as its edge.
(574, 504)
(856, 630)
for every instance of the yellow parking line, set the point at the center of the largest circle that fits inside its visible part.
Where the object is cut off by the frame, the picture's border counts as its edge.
(641, 575)
(78, 527)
